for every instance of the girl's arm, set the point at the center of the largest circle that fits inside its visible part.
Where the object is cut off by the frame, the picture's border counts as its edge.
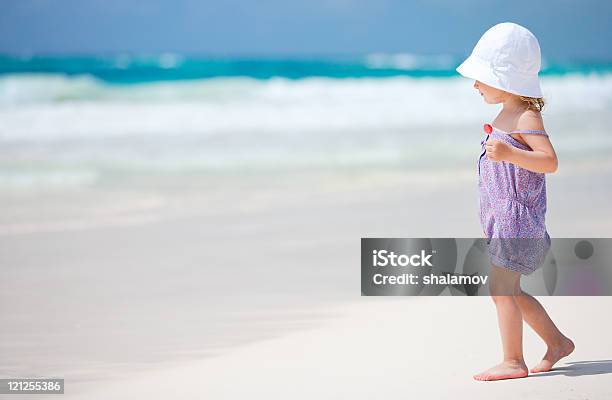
(542, 159)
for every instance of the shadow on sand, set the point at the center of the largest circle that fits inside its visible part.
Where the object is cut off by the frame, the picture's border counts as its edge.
(579, 368)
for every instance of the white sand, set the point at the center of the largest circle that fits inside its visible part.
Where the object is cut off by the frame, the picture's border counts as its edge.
(421, 348)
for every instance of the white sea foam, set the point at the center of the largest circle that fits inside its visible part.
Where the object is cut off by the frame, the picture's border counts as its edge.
(243, 123)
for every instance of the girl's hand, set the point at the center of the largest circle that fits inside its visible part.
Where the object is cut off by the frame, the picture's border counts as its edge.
(498, 150)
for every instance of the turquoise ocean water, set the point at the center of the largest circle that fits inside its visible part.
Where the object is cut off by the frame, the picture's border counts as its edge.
(124, 69)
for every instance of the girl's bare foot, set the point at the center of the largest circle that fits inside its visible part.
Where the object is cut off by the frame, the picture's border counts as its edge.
(505, 370)
(554, 354)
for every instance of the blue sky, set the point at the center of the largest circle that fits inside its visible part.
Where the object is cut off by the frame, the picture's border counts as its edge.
(566, 29)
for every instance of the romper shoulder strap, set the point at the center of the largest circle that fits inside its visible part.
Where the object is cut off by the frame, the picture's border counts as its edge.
(531, 131)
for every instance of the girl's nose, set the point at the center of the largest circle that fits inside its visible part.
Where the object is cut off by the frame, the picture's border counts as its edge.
(475, 84)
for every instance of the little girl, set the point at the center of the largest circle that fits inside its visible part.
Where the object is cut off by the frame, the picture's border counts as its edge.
(515, 155)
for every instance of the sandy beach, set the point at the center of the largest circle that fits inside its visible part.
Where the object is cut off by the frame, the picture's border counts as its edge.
(185, 189)
(424, 348)
(232, 287)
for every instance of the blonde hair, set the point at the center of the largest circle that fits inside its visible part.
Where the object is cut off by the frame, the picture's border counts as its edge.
(533, 103)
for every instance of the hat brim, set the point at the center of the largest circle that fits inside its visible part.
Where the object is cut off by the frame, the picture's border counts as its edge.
(522, 85)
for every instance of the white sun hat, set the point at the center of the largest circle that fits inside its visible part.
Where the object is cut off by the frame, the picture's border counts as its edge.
(506, 57)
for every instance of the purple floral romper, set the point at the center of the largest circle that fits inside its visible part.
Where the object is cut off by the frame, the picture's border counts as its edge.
(512, 208)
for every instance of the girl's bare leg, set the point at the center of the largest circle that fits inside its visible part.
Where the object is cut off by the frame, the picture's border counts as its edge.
(505, 285)
(536, 316)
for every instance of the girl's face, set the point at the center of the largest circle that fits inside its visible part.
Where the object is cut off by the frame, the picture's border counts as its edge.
(490, 94)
